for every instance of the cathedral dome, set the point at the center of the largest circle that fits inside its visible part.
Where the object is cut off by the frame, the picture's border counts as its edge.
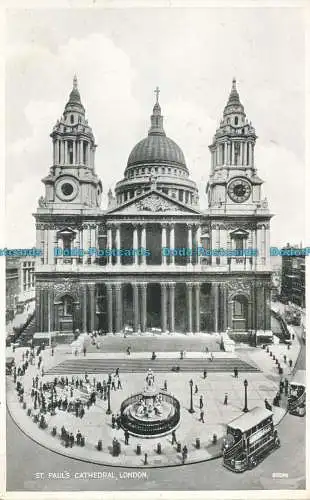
(156, 148)
(157, 162)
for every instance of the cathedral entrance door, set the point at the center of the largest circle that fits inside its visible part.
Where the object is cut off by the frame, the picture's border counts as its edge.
(240, 313)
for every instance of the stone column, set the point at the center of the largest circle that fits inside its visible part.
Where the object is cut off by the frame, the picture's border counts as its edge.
(135, 293)
(109, 244)
(135, 244)
(215, 287)
(92, 304)
(163, 307)
(198, 242)
(197, 307)
(172, 307)
(56, 316)
(143, 244)
(190, 241)
(118, 244)
(143, 306)
(232, 153)
(163, 242)
(224, 312)
(189, 296)
(225, 153)
(110, 307)
(119, 311)
(172, 243)
(84, 310)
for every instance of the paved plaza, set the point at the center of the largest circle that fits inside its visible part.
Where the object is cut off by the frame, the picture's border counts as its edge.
(96, 425)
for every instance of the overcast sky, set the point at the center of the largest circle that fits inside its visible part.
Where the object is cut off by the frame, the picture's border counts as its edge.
(120, 56)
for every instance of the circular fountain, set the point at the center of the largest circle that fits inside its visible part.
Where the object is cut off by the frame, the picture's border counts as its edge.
(150, 413)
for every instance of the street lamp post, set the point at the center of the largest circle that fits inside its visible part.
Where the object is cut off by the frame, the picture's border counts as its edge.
(245, 409)
(108, 412)
(191, 410)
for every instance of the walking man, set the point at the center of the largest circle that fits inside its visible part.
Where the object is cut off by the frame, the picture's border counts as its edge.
(202, 414)
(196, 389)
(226, 399)
(201, 402)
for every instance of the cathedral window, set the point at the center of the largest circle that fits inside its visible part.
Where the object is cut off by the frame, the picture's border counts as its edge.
(70, 151)
(236, 120)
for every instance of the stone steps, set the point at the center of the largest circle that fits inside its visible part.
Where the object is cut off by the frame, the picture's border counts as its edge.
(75, 366)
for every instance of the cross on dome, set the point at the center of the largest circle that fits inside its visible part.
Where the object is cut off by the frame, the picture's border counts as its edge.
(157, 91)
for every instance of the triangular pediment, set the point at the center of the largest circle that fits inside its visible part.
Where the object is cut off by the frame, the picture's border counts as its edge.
(239, 233)
(153, 202)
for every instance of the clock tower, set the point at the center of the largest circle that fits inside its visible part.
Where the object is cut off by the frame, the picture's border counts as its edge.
(234, 189)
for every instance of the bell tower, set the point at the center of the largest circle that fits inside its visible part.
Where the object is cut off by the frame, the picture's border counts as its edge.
(72, 179)
(240, 216)
(234, 186)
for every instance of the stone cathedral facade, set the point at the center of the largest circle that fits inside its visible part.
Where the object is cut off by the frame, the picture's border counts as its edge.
(155, 206)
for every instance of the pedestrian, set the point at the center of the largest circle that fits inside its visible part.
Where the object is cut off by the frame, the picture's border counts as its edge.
(174, 438)
(236, 372)
(119, 384)
(78, 438)
(117, 372)
(284, 357)
(267, 405)
(128, 350)
(196, 388)
(84, 350)
(201, 419)
(200, 402)
(113, 384)
(181, 354)
(204, 374)
(290, 363)
(113, 419)
(71, 439)
(165, 385)
(226, 399)
(126, 437)
(184, 454)
(52, 351)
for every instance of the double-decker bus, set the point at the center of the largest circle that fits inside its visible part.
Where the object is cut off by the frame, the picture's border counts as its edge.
(249, 439)
(296, 402)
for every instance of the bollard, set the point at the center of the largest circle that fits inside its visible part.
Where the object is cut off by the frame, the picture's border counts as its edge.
(159, 448)
(198, 443)
(138, 449)
(24, 405)
(273, 357)
(179, 447)
(270, 354)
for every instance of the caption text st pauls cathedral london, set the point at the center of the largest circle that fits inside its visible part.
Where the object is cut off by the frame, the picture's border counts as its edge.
(155, 205)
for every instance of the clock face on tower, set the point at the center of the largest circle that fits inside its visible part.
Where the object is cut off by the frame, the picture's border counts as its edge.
(239, 190)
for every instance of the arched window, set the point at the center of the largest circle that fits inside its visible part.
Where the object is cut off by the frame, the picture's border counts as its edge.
(236, 120)
(72, 119)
